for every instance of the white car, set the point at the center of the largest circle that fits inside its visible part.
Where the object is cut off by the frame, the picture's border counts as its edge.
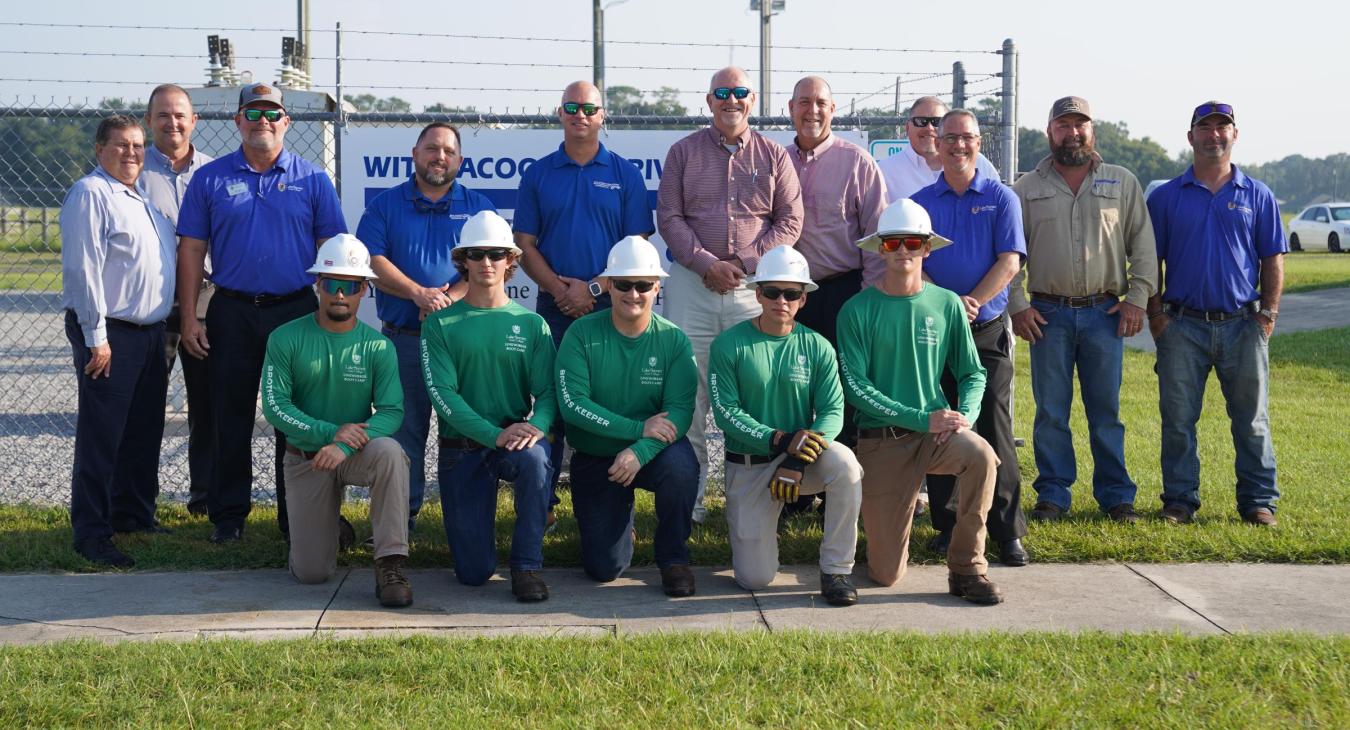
(1326, 225)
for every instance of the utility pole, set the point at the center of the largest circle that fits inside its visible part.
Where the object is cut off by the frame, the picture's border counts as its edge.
(598, 47)
(302, 30)
(765, 13)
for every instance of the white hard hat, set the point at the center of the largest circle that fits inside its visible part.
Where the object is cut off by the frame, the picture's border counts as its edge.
(634, 256)
(486, 229)
(782, 264)
(904, 216)
(343, 255)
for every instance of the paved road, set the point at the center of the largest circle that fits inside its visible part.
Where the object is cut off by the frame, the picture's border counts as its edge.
(1208, 599)
(1315, 310)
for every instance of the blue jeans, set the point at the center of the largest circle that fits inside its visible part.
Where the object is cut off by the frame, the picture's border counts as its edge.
(469, 501)
(604, 509)
(1239, 353)
(547, 307)
(412, 435)
(1084, 338)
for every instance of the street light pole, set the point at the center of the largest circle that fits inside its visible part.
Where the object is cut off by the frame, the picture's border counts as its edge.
(598, 47)
(765, 13)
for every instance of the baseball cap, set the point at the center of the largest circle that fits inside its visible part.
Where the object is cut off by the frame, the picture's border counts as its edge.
(260, 92)
(1210, 108)
(1070, 105)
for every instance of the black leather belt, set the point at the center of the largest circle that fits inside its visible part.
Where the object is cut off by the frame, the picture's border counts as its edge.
(747, 459)
(1091, 300)
(1246, 310)
(123, 324)
(885, 432)
(987, 324)
(462, 444)
(264, 300)
(392, 329)
(306, 455)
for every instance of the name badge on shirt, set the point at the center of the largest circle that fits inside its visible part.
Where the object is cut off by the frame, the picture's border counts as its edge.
(236, 188)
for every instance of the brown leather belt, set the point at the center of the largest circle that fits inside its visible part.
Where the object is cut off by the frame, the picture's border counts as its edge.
(1090, 300)
(890, 432)
(461, 444)
(747, 459)
(1246, 310)
(306, 455)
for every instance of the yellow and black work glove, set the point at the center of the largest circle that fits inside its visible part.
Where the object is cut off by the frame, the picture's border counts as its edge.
(786, 483)
(807, 446)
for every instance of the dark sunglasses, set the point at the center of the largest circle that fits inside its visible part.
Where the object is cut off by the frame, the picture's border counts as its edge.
(572, 107)
(422, 205)
(478, 254)
(773, 292)
(926, 121)
(891, 244)
(344, 287)
(271, 115)
(625, 285)
(723, 92)
(1205, 110)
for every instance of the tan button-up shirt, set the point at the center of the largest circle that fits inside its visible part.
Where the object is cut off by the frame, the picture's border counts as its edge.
(1097, 241)
(714, 205)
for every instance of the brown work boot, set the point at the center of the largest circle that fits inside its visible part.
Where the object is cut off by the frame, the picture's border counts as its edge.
(1260, 516)
(391, 586)
(1123, 513)
(1177, 514)
(528, 586)
(677, 581)
(974, 588)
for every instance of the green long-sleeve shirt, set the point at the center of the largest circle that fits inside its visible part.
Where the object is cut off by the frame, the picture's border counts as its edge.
(487, 367)
(609, 384)
(760, 383)
(892, 353)
(313, 381)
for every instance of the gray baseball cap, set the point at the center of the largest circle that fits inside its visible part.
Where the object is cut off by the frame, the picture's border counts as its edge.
(260, 92)
(1070, 105)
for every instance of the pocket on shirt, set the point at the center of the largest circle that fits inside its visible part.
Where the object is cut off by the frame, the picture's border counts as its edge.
(754, 192)
(1108, 202)
(826, 204)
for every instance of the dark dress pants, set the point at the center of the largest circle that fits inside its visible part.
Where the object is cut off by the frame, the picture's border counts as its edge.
(201, 423)
(237, 331)
(1005, 521)
(118, 431)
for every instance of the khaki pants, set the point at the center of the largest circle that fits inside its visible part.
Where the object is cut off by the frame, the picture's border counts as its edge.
(313, 498)
(752, 515)
(895, 470)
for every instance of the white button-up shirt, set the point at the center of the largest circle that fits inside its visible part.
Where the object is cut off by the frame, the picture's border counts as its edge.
(118, 256)
(906, 173)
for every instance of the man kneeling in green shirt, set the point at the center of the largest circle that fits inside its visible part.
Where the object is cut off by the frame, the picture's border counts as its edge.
(627, 380)
(895, 340)
(488, 367)
(774, 388)
(322, 376)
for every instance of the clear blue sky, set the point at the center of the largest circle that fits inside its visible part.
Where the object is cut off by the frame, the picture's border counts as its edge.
(1145, 63)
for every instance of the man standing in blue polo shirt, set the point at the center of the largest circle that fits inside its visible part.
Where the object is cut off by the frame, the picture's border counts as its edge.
(261, 212)
(574, 205)
(1220, 245)
(410, 230)
(984, 220)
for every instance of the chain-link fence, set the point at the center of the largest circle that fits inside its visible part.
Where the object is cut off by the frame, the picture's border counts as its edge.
(43, 150)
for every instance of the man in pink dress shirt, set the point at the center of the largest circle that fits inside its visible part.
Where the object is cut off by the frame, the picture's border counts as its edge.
(843, 196)
(728, 195)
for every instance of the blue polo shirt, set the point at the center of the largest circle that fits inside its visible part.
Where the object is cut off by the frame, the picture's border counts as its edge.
(982, 223)
(1212, 243)
(578, 213)
(416, 234)
(261, 228)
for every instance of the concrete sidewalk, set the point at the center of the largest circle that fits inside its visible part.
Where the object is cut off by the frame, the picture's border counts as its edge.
(1314, 310)
(1194, 599)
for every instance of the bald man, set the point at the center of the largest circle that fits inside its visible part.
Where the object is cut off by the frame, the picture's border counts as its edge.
(574, 205)
(728, 195)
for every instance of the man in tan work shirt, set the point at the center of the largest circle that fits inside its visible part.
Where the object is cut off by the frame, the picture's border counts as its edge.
(1091, 266)
(728, 195)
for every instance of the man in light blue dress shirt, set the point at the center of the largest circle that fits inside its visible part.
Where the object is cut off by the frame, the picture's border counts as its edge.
(118, 257)
(169, 165)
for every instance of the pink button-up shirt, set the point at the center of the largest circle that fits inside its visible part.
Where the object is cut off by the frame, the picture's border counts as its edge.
(714, 205)
(843, 194)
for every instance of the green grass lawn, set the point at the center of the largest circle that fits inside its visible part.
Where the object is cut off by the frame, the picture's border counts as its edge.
(796, 679)
(1308, 271)
(1308, 396)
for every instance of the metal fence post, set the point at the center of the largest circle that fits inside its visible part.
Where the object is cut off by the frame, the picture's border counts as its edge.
(1008, 147)
(341, 119)
(958, 85)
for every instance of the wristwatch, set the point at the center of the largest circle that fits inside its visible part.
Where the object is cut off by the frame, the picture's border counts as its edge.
(594, 289)
(1270, 314)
